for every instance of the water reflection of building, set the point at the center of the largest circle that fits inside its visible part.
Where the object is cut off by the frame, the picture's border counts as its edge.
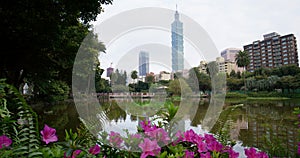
(263, 129)
(237, 127)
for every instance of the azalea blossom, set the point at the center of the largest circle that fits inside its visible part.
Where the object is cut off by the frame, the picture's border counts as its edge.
(5, 141)
(299, 148)
(146, 126)
(215, 146)
(179, 136)
(209, 138)
(252, 153)
(233, 154)
(49, 134)
(206, 155)
(115, 139)
(190, 136)
(158, 134)
(202, 147)
(149, 148)
(94, 150)
(189, 154)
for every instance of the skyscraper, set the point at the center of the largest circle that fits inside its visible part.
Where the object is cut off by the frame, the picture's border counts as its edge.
(143, 63)
(177, 44)
(273, 51)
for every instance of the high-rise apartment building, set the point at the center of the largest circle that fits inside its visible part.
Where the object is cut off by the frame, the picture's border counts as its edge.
(229, 54)
(177, 44)
(273, 51)
(143, 63)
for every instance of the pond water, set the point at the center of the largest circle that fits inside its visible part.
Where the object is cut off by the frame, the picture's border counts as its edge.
(268, 125)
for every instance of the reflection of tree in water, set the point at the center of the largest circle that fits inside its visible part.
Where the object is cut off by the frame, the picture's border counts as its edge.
(114, 112)
(269, 125)
(60, 116)
(200, 113)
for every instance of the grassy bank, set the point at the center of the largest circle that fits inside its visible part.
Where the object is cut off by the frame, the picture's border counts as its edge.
(263, 95)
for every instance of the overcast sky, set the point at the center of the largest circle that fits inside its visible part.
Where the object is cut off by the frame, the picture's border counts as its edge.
(229, 23)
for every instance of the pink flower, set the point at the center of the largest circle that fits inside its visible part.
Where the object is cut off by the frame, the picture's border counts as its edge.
(48, 134)
(149, 148)
(251, 153)
(201, 147)
(215, 146)
(94, 150)
(263, 155)
(209, 138)
(159, 134)
(206, 155)
(74, 154)
(179, 136)
(189, 154)
(146, 126)
(233, 154)
(190, 136)
(115, 139)
(136, 136)
(5, 141)
(198, 139)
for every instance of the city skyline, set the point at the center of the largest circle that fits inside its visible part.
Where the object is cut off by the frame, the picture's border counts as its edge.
(228, 24)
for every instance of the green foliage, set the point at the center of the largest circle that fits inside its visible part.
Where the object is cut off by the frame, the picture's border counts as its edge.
(52, 90)
(118, 78)
(198, 81)
(150, 78)
(234, 84)
(235, 95)
(139, 87)
(179, 87)
(22, 126)
(119, 88)
(102, 86)
(242, 59)
(134, 74)
(33, 53)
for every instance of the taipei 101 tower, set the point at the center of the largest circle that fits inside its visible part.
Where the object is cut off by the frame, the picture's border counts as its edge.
(177, 44)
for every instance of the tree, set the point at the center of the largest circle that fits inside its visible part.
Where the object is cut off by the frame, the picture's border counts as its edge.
(150, 78)
(212, 68)
(43, 37)
(178, 87)
(234, 84)
(198, 81)
(232, 74)
(134, 75)
(242, 60)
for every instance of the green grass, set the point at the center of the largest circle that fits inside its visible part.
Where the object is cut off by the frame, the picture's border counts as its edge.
(267, 98)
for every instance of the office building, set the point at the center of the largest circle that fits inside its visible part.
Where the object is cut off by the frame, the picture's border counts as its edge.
(109, 71)
(273, 51)
(229, 54)
(143, 63)
(177, 44)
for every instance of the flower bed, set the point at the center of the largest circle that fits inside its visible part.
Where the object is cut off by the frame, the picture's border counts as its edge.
(151, 141)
